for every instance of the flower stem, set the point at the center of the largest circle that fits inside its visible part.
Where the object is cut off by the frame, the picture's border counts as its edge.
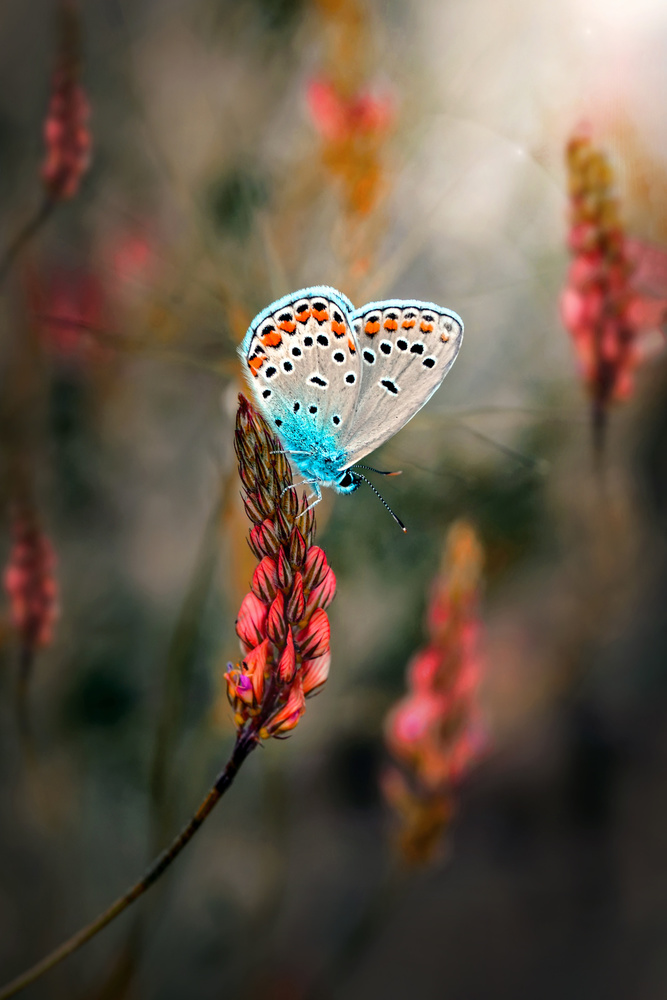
(245, 743)
(24, 235)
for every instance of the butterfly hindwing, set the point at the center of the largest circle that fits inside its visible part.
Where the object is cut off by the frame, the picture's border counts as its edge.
(301, 359)
(406, 348)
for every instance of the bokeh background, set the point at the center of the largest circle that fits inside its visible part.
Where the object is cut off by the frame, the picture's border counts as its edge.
(241, 150)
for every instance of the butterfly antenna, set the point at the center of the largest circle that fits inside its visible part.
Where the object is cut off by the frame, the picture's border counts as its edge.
(398, 472)
(368, 483)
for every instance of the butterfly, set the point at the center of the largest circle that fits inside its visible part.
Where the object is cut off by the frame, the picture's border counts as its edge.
(336, 382)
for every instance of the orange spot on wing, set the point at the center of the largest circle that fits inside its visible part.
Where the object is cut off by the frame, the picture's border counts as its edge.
(256, 363)
(444, 338)
(425, 327)
(350, 344)
(371, 329)
(303, 314)
(390, 324)
(272, 340)
(407, 324)
(321, 315)
(289, 326)
(338, 328)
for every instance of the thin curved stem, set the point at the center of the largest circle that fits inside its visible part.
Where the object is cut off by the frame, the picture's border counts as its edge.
(23, 237)
(245, 743)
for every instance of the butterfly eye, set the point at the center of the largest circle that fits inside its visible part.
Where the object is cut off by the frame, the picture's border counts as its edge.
(346, 481)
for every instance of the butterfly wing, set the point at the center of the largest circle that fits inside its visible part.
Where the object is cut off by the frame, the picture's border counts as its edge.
(301, 359)
(406, 348)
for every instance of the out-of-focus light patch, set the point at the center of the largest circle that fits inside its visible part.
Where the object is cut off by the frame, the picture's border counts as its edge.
(623, 12)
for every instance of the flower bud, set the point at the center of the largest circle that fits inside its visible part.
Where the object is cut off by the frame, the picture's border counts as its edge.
(285, 574)
(314, 673)
(313, 640)
(315, 567)
(287, 664)
(251, 622)
(322, 595)
(265, 580)
(296, 605)
(297, 548)
(276, 625)
(255, 665)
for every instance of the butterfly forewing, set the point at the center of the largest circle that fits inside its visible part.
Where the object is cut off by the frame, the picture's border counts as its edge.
(406, 348)
(302, 362)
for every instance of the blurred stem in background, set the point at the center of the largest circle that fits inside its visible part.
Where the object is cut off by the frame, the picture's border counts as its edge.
(66, 134)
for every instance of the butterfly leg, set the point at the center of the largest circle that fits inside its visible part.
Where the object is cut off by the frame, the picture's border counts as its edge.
(318, 496)
(295, 486)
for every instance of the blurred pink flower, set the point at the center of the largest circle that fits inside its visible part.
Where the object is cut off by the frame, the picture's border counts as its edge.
(69, 307)
(30, 582)
(340, 118)
(434, 732)
(66, 133)
(605, 305)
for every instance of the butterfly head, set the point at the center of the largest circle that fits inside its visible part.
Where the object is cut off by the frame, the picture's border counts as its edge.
(347, 482)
